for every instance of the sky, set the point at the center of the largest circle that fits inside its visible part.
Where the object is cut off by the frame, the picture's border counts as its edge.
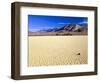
(40, 22)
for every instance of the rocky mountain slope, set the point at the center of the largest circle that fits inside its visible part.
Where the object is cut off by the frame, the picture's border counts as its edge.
(69, 28)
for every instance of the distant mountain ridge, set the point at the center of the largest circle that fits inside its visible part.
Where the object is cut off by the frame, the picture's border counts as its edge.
(69, 28)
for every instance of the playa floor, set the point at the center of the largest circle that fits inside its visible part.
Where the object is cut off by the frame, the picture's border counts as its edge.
(57, 50)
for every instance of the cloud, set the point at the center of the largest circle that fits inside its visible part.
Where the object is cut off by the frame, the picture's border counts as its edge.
(39, 28)
(61, 23)
(34, 30)
(84, 22)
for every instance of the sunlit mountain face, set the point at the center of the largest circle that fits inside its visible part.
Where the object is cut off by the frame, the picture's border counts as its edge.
(68, 27)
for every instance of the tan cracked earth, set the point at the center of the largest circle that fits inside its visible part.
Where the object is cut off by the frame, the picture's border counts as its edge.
(57, 50)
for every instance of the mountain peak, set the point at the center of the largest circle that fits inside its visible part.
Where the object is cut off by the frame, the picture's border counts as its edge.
(67, 27)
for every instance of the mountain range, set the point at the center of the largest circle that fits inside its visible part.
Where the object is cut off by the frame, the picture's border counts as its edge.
(68, 28)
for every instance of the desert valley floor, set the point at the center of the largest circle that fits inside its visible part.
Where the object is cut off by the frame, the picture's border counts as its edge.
(57, 50)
